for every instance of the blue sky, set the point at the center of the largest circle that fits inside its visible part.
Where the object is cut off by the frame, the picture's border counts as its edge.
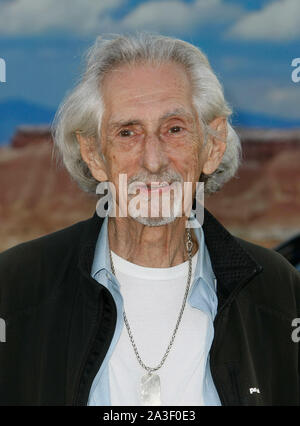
(250, 44)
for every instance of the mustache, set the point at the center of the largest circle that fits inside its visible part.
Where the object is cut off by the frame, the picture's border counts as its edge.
(167, 177)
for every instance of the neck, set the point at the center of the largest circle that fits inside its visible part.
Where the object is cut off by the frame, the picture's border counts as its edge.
(154, 247)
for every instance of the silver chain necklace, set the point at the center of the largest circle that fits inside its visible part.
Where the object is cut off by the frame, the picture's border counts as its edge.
(150, 383)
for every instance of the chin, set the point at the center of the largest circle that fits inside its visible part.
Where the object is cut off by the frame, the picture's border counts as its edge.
(163, 218)
(154, 221)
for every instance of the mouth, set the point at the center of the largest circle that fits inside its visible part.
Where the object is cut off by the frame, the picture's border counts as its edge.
(154, 187)
(149, 188)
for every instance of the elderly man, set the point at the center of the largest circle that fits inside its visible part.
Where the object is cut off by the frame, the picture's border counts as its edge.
(146, 309)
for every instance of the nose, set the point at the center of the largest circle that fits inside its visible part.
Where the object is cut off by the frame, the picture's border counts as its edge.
(154, 157)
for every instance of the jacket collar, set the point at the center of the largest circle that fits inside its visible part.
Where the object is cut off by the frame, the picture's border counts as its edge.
(231, 263)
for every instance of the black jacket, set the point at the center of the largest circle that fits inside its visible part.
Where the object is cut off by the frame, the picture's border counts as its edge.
(60, 321)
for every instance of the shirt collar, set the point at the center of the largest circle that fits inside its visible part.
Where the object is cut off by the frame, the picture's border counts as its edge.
(101, 258)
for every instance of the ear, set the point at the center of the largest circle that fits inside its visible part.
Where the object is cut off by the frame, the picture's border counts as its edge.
(92, 157)
(216, 146)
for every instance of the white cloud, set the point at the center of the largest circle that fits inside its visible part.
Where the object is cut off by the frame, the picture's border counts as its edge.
(284, 101)
(178, 16)
(89, 17)
(27, 17)
(278, 21)
(264, 95)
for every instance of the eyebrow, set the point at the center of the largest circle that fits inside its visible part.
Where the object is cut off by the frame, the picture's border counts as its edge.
(134, 121)
(175, 112)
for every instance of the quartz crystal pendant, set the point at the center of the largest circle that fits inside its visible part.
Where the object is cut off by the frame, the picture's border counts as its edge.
(150, 389)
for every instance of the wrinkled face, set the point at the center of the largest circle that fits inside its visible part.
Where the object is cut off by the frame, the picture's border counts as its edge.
(150, 133)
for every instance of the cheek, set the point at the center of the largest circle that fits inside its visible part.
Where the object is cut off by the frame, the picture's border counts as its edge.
(122, 163)
(188, 163)
(197, 158)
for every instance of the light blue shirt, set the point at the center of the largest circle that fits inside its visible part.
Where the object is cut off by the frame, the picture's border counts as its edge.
(202, 295)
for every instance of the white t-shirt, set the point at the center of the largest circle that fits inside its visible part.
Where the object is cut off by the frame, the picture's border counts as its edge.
(152, 301)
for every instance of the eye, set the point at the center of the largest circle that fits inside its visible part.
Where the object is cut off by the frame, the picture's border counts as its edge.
(175, 129)
(126, 133)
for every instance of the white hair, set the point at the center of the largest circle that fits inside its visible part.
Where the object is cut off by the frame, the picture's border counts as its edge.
(82, 109)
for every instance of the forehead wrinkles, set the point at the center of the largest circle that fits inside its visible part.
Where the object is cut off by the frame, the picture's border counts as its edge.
(171, 75)
(148, 96)
(145, 94)
(124, 96)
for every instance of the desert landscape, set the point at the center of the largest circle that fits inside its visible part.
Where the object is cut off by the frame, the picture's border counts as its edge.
(261, 204)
